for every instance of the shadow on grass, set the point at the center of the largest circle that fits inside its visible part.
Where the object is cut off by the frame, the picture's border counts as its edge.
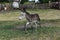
(15, 24)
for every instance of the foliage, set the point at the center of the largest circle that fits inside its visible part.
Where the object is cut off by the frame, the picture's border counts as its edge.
(54, 0)
(44, 1)
(4, 1)
(23, 1)
(29, 3)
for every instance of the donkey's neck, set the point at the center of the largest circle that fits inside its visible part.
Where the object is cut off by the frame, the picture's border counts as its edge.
(26, 13)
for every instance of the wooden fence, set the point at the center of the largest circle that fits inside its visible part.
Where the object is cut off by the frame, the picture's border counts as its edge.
(55, 5)
(33, 6)
(39, 6)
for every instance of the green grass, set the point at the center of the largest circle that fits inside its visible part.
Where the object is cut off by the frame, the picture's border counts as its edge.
(9, 21)
(43, 13)
(44, 33)
(7, 31)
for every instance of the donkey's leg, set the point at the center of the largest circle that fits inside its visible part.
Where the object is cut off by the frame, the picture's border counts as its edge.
(26, 26)
(39, 24)
(36, 26)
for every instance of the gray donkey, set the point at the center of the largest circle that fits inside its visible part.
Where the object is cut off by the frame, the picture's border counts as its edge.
(31, 18)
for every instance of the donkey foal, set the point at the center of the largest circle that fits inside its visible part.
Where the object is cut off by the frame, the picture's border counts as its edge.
(31, 18)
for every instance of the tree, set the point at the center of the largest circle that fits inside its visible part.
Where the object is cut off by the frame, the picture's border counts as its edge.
(23, 1)
(1, 1)
(44, 1)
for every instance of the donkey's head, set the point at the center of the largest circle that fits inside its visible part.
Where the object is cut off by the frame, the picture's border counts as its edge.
(22, 14)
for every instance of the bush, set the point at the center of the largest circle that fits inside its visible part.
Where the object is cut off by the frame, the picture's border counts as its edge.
(29, 3)
(23, 1)
(44, 1)
(1, 1)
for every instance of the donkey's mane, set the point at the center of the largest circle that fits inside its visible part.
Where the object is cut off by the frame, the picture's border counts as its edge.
(26, 11)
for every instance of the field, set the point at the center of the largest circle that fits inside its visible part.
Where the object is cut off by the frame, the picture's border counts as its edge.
(11, 27)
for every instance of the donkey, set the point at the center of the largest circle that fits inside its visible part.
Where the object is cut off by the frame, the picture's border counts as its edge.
(31, 18)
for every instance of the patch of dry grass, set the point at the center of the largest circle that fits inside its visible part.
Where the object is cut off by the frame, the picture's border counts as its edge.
(43, 13)
(47, 13)
(12, 15)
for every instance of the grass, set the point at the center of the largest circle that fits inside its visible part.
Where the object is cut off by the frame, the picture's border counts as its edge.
(44, 33)
(43, 13)
(9, 21)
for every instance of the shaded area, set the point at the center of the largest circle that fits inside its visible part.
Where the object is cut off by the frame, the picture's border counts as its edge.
(11, 30)
(43, 33)
(44, 23)
(21, 24)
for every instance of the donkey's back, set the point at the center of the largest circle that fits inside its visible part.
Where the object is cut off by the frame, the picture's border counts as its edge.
(33, 17)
